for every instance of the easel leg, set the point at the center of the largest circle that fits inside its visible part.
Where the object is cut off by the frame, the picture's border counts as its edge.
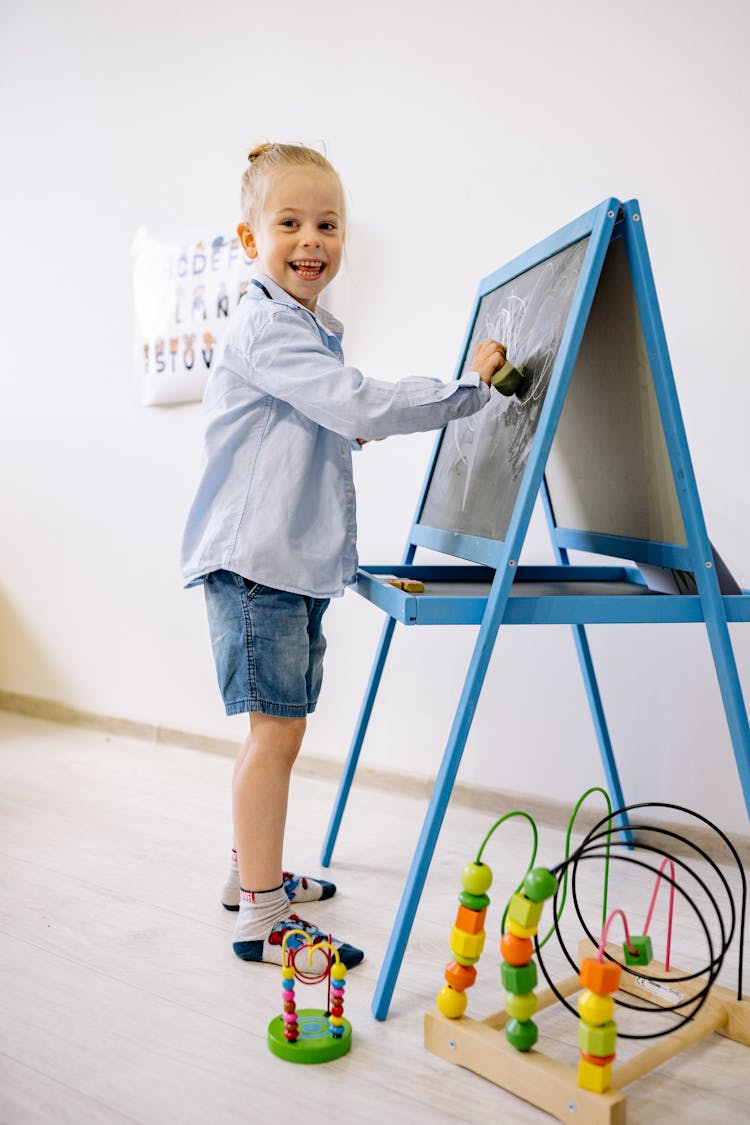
(433, 821)
(360, 730)
(731, 694)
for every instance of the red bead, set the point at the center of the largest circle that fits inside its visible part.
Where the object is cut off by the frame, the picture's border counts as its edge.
(337, 1010)
(291, 1036)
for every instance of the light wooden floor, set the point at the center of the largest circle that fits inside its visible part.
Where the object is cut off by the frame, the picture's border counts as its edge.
(121, 999)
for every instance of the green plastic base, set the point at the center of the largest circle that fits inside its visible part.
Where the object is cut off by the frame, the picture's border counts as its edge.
(315, 1043)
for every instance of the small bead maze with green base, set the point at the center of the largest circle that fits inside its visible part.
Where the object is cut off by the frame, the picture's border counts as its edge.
(310, 1035)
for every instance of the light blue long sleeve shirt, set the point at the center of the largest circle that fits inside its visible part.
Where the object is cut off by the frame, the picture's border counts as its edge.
(275, 502)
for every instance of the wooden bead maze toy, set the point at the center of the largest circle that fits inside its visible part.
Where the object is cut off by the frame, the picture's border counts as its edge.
(605, 976)
(310, 1035)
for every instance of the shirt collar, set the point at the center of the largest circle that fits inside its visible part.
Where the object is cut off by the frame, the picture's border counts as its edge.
(328, 322)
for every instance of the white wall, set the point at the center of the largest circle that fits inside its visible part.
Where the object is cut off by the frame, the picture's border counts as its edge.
(464, 136)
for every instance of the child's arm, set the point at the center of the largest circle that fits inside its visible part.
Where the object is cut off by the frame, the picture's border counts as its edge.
(289, 361)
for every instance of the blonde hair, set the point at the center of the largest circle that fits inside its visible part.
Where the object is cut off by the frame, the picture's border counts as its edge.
(264, 160)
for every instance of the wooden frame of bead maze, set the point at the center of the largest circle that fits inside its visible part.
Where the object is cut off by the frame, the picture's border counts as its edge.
(510, 1060)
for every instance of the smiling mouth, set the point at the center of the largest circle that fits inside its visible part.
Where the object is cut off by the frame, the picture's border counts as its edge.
(309, 269)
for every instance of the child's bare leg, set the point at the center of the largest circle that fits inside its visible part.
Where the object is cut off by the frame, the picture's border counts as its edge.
(299, 888)
(260, 795)
(260, 798)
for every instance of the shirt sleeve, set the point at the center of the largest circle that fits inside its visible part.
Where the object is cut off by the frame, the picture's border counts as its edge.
(287, 359)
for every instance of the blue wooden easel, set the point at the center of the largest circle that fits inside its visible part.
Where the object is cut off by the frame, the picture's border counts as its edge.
(590, 276)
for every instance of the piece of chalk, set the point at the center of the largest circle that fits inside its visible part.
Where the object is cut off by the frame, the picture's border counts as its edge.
(409, 585)
(508, 379)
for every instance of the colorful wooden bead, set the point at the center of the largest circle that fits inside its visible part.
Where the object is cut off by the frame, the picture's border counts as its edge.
(289, 1017)
(597, 1040)
(595, 1010)
(476, 878)
(470, 921)
(290, 1006)
(338, 970)
(460, 960)
(474, 902)
(466, 945)
(598, 1060)
(519, 931)
(335, 1021)
(596, 1078)
(600, 976)
(460, 977)
(518, 978)
(521, 1006)
(291, 1036)
(451, 1003)
(523, 911)
(288, 984)
(336, 1010)
(644, 952)
(287, 972)
(539, 884)
(516, 950)
(521, 1035)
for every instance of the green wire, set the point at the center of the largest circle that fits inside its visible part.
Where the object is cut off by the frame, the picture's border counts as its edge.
(605, 794)
(497, 824)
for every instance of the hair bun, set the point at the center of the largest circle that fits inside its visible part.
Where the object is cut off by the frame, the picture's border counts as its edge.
(254, 153)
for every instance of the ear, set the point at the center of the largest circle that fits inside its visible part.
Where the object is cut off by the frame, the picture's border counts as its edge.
(247, 238)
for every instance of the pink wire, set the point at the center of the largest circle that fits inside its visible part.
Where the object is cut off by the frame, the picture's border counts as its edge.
(670, 913)
(607, 924)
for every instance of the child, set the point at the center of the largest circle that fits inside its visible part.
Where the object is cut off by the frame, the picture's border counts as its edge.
(271, 533)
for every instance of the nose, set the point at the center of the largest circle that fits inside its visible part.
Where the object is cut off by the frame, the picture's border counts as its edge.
(310, 236)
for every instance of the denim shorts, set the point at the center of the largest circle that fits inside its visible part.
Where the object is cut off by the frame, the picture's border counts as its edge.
(268, 646)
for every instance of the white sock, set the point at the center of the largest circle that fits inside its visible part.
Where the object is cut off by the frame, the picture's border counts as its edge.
(299, 888)
(264, 920)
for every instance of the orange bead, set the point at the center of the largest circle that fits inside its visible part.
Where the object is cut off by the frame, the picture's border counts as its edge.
(470, 921)
(516, 950)
(602, 977)
(460, 977)
(597, 1060)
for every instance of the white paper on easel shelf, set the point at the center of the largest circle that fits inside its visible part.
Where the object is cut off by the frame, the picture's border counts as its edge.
(185, 286)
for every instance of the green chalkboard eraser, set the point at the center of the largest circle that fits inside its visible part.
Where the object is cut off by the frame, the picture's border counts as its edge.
(508, 379)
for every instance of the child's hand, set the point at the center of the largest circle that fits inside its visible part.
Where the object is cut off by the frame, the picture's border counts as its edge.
(489, 357)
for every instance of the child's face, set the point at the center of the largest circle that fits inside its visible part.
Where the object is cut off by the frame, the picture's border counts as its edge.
(298, 238)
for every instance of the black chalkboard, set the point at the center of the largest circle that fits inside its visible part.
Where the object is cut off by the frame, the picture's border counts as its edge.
(481, 459)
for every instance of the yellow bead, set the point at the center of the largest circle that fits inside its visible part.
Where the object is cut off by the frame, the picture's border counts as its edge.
(451, 1003)
(336, 1021)
(466, 945)
(594, 1009)
(592, 1077)
(523, 911)
(520, 1007)
(338, 970)
(288, 972)
(519, 931)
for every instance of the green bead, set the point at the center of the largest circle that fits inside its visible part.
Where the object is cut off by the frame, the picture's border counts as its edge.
(474, 902)
(521, 1035)
(539, 884)
(476, 878)
(518, 978)
(599, 1041)
(644, 952)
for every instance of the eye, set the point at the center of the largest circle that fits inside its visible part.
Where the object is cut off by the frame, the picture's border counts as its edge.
(328, 226)
(288, 223)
